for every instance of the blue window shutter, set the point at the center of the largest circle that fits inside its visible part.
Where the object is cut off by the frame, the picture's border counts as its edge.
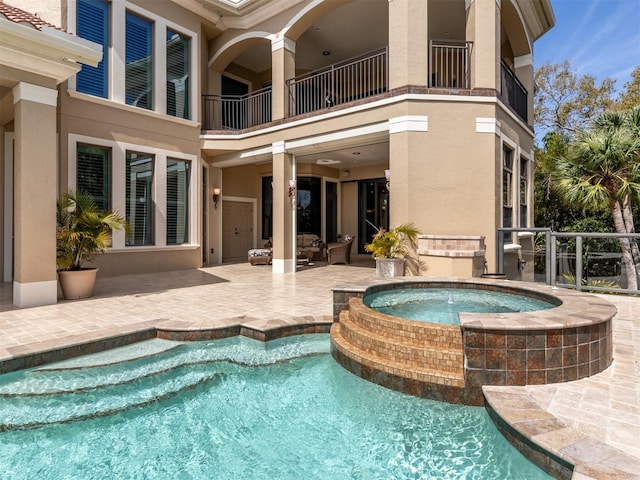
(93, 24)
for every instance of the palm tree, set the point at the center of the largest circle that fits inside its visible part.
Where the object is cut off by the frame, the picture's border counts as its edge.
(601, 172)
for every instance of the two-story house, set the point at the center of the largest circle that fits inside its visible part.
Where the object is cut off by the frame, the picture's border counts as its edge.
(218, 125)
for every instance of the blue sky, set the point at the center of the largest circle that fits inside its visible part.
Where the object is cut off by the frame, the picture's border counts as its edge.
(599, 38)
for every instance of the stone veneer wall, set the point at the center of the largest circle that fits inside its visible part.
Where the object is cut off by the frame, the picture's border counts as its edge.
(535, 357)
(451, 255)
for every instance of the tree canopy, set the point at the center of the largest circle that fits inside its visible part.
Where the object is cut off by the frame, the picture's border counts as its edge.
(565, 102)
(630, 96)
(587, 165)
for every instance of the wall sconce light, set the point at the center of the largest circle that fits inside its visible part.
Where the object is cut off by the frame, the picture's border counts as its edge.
(387, 175)
(216, 197)
(292, 189)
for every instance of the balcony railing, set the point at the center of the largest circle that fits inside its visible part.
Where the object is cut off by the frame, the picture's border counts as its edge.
(359, 77)
(513, 92)
(233, 112)
(449, 64)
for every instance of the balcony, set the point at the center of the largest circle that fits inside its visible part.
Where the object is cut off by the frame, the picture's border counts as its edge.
(231, 112)
(357, 78)
(449, 64)
(513, 92)
(354, 79)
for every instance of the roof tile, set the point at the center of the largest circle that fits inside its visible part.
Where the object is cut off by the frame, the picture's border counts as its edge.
(20, 16)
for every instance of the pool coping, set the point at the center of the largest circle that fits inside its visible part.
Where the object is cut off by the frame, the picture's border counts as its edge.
(71, 346)
(559, 449)
(565, 315)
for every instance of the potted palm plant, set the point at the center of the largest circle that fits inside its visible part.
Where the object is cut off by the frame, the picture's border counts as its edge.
(83, 231)
(389, 248)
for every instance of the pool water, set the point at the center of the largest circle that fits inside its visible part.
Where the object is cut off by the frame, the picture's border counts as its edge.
(238, 409)
(442, 305)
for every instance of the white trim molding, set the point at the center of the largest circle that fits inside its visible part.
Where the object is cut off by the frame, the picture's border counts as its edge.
(409, 123)
(278, 147)
(35, 294)
(283, 42)
(36, 94)
(283, 265)
(487, 125)
(523, 61)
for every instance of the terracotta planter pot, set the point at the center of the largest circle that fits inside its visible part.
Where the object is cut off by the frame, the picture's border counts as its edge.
(77, 283)
(389, 267)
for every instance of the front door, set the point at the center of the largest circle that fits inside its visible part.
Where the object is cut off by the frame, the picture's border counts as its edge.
(237, 230)
(373, 210)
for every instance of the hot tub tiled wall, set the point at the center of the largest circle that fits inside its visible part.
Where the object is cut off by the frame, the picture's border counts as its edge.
(570, 341)
(533, 357)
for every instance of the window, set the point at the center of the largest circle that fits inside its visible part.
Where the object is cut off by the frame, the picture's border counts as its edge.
(267, 207)
(507, 191)
(524, 181)
(177, 201)
(148, 60)
(93, 24)
(92, 176)
(139, 198)
(177, 74)
(139, 62)
(309, 207)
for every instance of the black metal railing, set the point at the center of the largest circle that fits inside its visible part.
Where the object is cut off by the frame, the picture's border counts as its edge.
(357, 78)
(513, 92)
(449, 64)
(236, 112)
(353, 79)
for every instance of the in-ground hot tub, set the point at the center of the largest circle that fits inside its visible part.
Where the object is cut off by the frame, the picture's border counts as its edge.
(569, 341)
(442, 305)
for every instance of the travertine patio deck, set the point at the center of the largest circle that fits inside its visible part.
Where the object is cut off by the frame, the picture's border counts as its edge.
(604, 407)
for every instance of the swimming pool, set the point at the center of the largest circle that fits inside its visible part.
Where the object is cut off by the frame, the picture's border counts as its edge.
(236, 409)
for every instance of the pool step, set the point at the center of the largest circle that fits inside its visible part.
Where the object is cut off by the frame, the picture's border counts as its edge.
(404, 350)
(114, 356)
(21, 412)
(372, 361)
(94, 372)
(73, 378)
(97, 386)
(421, 358)
(429, 335)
